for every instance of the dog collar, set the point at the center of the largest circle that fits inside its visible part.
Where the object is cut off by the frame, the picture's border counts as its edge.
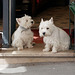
(24, 29)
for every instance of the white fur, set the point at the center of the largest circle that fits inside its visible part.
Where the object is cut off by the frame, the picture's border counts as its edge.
(53, 37)
(23, 36)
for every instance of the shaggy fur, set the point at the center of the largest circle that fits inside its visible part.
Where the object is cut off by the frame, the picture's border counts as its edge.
(55, 39)
(23, 36)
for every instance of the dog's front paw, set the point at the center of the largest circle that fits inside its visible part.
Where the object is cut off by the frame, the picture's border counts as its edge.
(45, 50)
(54, 51)
(20, 48)
(30, 46)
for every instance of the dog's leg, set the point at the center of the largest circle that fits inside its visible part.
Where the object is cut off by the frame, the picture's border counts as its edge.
(29, 45)
(54, 49)
(19, 44)
(47, 48)
(20, 48)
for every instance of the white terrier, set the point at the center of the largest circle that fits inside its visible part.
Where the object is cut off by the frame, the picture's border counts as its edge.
(23, 36)
(54, 37)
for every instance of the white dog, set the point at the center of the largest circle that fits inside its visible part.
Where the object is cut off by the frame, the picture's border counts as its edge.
(54, 37)
(23, 36)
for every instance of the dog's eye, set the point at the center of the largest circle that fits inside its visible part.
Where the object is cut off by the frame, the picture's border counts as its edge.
(47, 28)
(26, 20)
(41, 28)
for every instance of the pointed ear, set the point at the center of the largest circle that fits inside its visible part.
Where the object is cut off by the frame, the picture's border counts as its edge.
(25, 14)
(18, 20)
(41, 19)
(51, 20)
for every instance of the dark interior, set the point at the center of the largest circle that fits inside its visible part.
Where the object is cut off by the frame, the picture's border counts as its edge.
(34, 7)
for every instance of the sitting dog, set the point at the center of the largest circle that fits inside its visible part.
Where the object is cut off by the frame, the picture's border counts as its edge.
(53, 37)
(23, 36)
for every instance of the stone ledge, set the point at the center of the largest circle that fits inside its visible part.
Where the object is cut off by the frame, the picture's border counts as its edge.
(34, 60)
(34, 52)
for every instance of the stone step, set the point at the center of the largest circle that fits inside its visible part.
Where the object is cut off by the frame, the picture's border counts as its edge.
(35, 52)
(34, 60)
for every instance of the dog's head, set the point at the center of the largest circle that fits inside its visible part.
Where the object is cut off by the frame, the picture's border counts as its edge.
(46, 27)
(25, 21)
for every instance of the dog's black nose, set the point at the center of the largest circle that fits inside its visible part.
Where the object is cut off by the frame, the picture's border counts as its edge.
(32, 22)
(43, 33)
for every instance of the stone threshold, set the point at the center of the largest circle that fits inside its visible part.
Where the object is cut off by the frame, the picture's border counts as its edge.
(35, 52)
(34, 60)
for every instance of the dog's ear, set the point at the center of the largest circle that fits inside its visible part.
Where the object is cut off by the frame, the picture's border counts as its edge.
(41, 19)
(51, 20)
(25, 14)
(18, 20)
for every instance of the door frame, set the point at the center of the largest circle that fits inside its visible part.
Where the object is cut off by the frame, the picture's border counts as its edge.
(9, 21)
